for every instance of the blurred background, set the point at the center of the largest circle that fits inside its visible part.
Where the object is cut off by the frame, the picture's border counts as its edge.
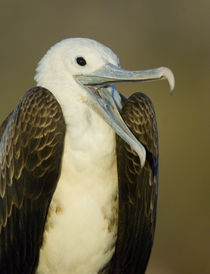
(144, 34)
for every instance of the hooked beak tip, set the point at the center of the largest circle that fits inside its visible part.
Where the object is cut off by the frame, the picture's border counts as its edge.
(168, 75)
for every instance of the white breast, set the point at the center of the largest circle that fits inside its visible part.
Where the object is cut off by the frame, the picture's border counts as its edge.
(81, 228)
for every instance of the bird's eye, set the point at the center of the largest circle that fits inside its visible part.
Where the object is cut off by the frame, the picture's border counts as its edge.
(81, 61)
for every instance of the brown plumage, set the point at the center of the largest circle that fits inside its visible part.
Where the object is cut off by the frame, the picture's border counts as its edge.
(137, 189)
(31, 147)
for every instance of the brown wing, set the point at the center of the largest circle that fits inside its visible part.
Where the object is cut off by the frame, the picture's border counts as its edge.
(137, 189)
(32, 139)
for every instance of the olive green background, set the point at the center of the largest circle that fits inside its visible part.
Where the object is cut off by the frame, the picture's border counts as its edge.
(144, 34)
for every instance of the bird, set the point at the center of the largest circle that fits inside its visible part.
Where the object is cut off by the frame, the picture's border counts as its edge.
(79, 167)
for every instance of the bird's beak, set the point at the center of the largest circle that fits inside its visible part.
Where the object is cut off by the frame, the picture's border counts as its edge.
(106, 99)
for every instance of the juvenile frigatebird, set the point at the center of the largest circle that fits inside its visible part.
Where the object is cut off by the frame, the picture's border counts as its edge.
(79, 167)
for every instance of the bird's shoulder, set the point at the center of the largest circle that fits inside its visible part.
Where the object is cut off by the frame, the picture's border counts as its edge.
(31, 147)
(137, 188)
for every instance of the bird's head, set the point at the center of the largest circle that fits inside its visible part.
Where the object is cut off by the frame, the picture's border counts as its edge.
(81, 69)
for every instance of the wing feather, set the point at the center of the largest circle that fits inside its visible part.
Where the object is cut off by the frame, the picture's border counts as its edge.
(31, 147)
(137, 189)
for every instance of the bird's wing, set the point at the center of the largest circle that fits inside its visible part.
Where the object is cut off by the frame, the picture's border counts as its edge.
(31, 147)
(137, 189)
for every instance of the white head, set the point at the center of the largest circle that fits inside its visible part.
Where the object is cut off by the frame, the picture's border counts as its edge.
(82, 71)
(70, 57)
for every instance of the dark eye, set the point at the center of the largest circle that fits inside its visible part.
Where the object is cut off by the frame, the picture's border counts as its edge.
(81, 61)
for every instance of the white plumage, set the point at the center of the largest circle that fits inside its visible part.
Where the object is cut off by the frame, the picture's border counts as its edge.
(85, 201)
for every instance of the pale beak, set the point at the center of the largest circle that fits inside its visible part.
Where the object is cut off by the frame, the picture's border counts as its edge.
(103, 96)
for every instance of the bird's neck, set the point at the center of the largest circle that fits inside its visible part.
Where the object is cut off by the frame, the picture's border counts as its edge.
(89, 134)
